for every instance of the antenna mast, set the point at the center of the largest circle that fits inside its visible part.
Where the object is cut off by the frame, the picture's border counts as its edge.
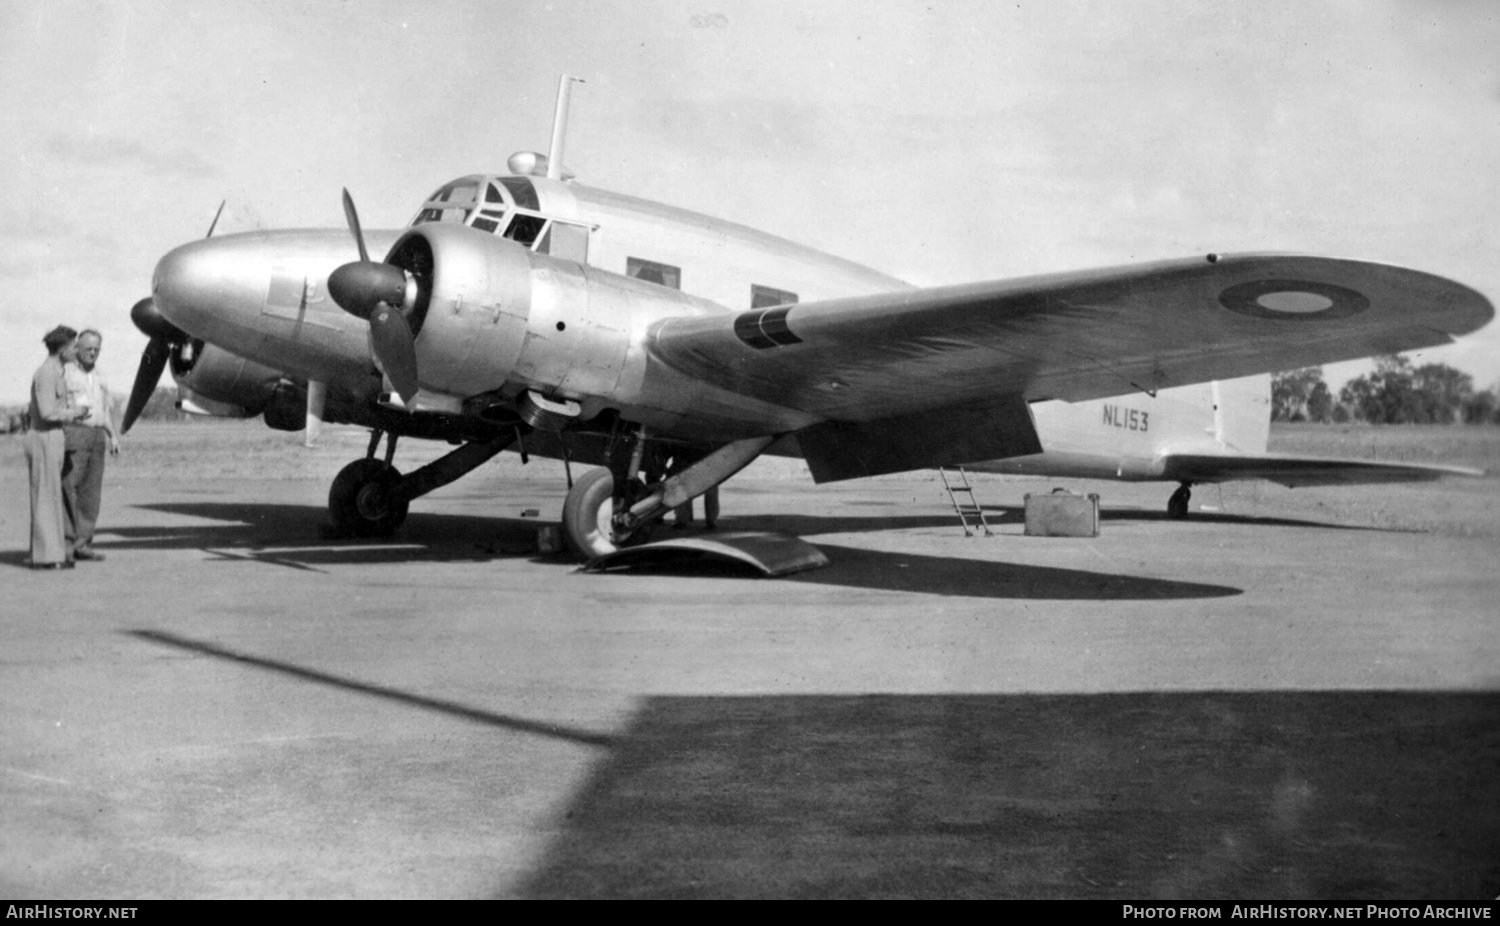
(560, 126)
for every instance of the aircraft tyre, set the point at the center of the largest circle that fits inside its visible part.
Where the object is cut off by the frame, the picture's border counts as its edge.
(362, 502)
(588, 514)
(1177, 505)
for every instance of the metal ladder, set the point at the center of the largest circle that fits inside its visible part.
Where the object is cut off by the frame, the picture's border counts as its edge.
(970, 508)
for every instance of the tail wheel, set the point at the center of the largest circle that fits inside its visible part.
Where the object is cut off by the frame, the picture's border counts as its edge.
(1177, 505)
(588, 515)
(363, 500)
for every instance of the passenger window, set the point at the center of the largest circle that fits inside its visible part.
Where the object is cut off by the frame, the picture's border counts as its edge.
(763, 297)
(652, 272)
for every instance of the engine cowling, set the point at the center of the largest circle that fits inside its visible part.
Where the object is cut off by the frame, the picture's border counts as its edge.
(495, 317)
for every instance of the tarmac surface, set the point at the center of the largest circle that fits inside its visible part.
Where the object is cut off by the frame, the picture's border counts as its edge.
(1238, 705)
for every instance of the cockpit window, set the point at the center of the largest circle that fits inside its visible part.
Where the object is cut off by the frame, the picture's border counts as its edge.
(507, 206)
(523, 191)
(525, 228)
(453, 202)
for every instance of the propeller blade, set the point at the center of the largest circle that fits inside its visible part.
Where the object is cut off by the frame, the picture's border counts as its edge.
(317, 400)
(371, 291)
(396, 349)
(353, 217)
(153, 362)
(215, 223)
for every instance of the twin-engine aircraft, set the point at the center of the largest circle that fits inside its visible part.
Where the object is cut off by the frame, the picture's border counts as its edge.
(528, 311)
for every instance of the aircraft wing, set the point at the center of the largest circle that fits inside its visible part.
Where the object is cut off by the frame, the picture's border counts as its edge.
(1070, 336)
(1295, 471)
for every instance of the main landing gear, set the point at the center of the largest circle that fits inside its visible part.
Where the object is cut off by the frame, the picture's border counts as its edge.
(1177, 505)
(364, 500)
(615, 506)
(370, 497)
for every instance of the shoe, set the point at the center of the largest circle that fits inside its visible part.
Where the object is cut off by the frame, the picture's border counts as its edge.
(65, 564)
(88, 553)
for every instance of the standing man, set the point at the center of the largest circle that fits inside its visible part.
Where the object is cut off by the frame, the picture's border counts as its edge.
(50, 410)
(87, 440)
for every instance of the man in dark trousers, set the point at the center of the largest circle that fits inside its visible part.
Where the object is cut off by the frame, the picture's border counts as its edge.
(87, 441)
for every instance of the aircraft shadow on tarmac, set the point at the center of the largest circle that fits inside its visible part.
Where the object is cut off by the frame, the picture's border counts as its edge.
(300, 536)
(448, 708)
(1012, 515)
(288, 535)
(1220, 795)
(1212, 794)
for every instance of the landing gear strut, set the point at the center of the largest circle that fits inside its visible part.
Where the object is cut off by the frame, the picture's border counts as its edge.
(612, 507)
(1177, 505)
(370, 497)
(588, 515)
(596, 513)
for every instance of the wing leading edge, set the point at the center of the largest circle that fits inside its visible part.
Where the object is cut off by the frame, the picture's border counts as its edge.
(1071, 336)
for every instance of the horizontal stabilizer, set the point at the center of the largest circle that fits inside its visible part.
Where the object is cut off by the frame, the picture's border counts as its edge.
(1295, 471)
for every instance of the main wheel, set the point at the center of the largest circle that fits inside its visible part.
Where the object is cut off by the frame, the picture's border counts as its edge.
(362, 499)
(588, 516)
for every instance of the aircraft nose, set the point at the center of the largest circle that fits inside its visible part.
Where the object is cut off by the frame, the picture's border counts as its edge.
(212, 287)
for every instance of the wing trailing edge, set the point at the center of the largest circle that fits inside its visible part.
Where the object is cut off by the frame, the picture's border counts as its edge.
(837, 450)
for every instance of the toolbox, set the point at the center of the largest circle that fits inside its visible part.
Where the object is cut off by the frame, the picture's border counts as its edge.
(1062, 514)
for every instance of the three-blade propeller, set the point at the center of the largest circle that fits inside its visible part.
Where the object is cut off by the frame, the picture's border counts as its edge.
(163, 337)
(381, 294)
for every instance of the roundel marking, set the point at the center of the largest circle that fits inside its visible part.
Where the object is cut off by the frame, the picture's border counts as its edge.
(1292, 299)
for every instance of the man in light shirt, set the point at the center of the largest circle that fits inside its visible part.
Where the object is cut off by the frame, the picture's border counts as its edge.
(49, 413)
(87, 440)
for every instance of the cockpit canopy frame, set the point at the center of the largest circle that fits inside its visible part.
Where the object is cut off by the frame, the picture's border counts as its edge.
(506, 206)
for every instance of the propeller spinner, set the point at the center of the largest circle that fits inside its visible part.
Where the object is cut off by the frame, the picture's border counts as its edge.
(381, 294)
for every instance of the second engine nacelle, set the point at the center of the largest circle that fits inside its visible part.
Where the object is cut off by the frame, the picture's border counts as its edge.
(234, 386)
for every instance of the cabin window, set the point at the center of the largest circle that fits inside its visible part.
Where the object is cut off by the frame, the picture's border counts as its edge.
(525, 228)
(763, 297)
(652, 272)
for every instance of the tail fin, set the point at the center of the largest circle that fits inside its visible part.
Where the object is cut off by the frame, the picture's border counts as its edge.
(1242, 413)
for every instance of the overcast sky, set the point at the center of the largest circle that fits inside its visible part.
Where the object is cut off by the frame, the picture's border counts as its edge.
(938, 141)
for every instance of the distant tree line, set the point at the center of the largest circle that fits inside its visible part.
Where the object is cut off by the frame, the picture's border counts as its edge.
(1395, 393)
(162, 406)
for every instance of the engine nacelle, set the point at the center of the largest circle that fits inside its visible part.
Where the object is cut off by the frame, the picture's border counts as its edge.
(233, 386)
(495, 317)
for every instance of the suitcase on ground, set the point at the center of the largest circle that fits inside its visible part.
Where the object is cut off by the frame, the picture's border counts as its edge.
(1062, 514)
